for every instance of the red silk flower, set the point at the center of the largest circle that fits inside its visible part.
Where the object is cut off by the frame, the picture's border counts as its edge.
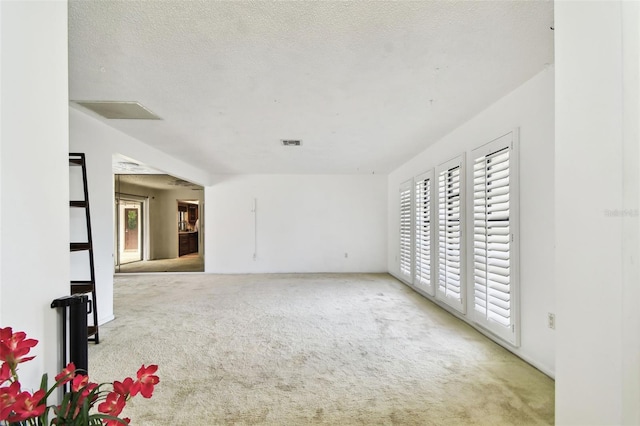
(66, 375)
(113, 405)
(14, 346)
(28, 406)
(146, 381)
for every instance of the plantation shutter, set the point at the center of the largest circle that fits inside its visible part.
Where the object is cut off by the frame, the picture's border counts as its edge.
(493, 238)
(405, 231)
(422, 277)
(450, 222)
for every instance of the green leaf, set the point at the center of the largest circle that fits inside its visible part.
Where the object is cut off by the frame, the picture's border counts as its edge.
(43, 383)
(107, 417)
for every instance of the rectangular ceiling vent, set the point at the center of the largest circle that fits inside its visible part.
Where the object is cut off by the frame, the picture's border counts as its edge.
(291, 142)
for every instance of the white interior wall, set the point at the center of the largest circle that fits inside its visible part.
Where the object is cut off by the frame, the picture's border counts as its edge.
(631, 224)
(596, 212)
(169, 219)
(99, 142)
(529, 108)
(34, 173)
(303, 223)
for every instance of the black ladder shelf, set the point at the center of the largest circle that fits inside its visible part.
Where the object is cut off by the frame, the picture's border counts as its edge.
(85, 286)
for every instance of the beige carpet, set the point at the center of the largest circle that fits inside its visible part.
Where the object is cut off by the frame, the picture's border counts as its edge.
(188, 263)
(309, 349)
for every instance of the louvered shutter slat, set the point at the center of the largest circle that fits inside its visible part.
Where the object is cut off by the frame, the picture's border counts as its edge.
(422, 233)
(492, 237)
(405, 230)
(450, 212)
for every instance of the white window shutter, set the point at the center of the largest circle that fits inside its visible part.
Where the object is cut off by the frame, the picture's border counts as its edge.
(406, 243)
(423, 276)
(451, 286)
(494, 239)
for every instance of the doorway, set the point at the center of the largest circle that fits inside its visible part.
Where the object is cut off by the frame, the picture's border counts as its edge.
(150, 232)
(130, 231)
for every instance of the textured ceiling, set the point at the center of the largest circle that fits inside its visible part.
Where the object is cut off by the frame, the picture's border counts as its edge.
(162, 181)
(365, 85)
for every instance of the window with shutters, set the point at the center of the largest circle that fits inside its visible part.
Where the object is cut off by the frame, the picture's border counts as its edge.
(450, 286)
(494, 237)
(422, 277)
(405, 231)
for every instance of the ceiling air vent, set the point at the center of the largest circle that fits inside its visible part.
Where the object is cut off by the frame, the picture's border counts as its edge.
(291, 142)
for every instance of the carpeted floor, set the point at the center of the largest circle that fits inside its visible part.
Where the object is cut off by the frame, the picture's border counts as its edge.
(334, 349)
(187, 263)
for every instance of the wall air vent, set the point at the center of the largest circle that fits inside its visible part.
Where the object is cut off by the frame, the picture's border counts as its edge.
(291, 142)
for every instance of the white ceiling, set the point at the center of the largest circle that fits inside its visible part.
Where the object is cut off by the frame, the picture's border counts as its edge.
(365, 85)
(157, 181)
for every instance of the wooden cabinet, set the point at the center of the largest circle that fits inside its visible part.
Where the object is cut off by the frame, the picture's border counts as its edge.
(183, 244)
(188, 243)
(193, 242)
(193, 213)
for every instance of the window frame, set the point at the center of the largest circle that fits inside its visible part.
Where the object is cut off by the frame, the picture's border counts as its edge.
(510, 333)
(420, 281)
(405, 249)
(443, 294)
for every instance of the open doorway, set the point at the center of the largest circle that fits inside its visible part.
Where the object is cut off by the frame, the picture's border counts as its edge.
(130, 224)
(148, 231)
(188, 227)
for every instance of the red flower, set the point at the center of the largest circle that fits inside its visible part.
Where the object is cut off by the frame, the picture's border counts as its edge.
(146, 381)
(28, 406)
(79, 382)
(123, 388)
(14, 346)
(113, 404)
(86, 392)
(66, 375)
(18, 407)
(8, 396)
(5, 373)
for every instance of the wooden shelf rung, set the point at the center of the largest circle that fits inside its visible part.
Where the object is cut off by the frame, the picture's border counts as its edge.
(79, 246)
(81, 287)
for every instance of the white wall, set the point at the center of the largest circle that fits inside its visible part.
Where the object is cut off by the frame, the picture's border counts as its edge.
(34, 191)
(596, 211)
(166, 223)
(530, 108)
(99, 142)
(303, 223)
